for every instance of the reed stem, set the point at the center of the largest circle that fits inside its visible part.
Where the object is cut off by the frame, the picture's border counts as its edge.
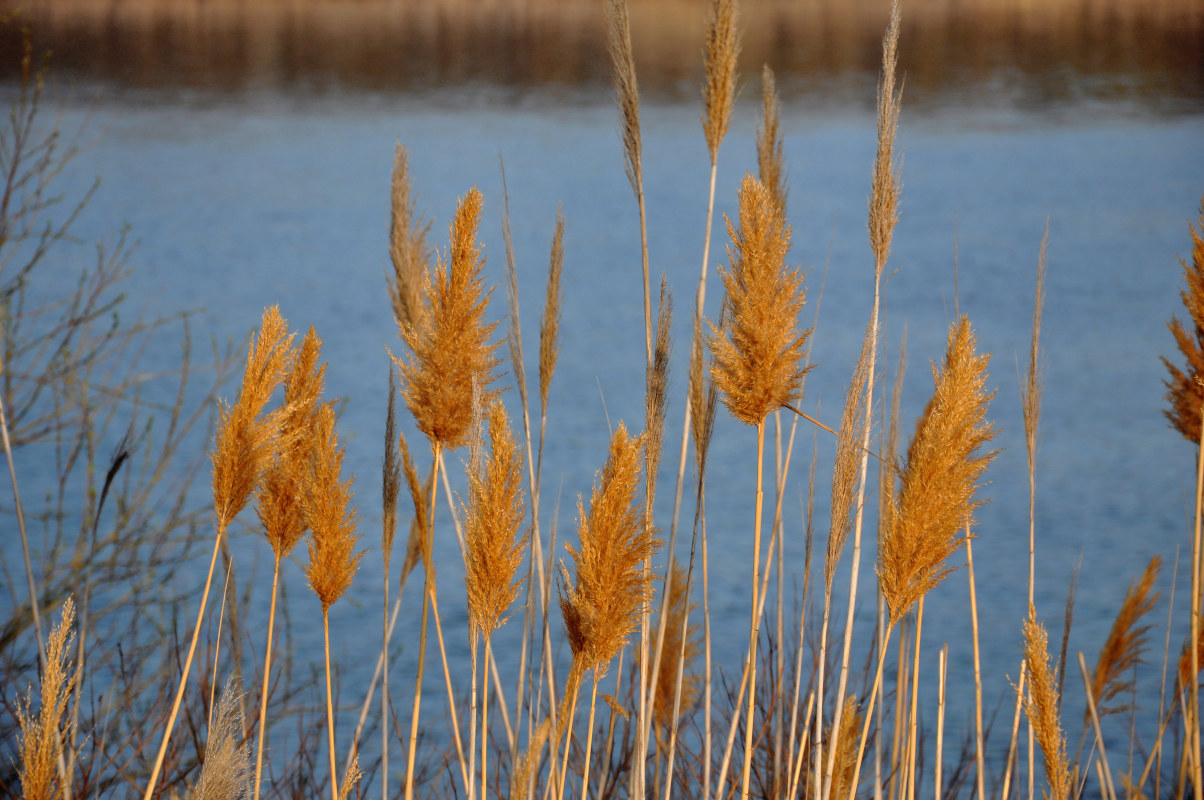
(755, 625)
(267, 673)
(427, 557)
(334, 773)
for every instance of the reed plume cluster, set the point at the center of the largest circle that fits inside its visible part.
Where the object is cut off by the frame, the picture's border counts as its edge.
(805, 733)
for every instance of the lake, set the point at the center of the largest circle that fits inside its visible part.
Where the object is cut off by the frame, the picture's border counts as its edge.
(267, 182)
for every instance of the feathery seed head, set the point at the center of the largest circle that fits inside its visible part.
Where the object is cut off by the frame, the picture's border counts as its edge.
(330, 515)
(450, 348)
(1184, 393)
(757, 363)
(246, 439)
(493, 550)
(408, 248)
(226, 773)
(278, 495)
(549, 323)
(1126, 641)
(602, 609)
(1041, 705)
(944, 465)
(770, 164)
(41, 737)
(679, 645)
(886, 185)
(719, 58)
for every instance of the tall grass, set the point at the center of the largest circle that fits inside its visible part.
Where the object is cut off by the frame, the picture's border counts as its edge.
(794, 724)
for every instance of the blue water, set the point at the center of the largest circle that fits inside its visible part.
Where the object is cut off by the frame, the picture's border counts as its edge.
(239, 203)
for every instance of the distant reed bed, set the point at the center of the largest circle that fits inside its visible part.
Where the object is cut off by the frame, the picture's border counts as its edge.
(821, 709)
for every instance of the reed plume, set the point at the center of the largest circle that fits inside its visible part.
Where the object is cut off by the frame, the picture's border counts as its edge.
(245, 442)
(719, 57)
(330, 515)
(886, 184)
(601, 608)
(770, 163)
(493, 514)
(1126, 641)
(1042, 708)
(450, 348)
(1184, 394)
(656, 395)
(844, 470)
(279, 494)
(604, 606)
(549, 323)
(408, 248)
(681, 646)
(944, 465)
(843, 744)
(226, 772)
(332, 558)
(758, 363)
(40, 745)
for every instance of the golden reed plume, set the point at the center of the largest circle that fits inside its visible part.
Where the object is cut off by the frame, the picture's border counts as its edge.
(493, 550)
(758, 361)
(944, 465)
(450, 348)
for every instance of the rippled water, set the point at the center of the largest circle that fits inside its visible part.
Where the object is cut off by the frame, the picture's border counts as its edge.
(268, 196)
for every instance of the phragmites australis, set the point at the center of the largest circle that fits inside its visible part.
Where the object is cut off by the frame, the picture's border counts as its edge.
(602, 608)
(493, 550)
(944, 465)
(758, 361)
(1184, 394)
(449, 344)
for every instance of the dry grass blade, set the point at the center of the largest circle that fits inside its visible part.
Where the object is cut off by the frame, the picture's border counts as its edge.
(331, 516)
(495, 509)
(450, 348)
(758, 363)
(770, 164)
(944, 466)
(245, 439)
(884, 193)
(1126, 641)
(549, 323)
(1041, 706)
(408, 248)
(844, 472)
(677, 647)
(719, 58)
(601, 609)
(40, 745)
(226, 774)
(1184, 394)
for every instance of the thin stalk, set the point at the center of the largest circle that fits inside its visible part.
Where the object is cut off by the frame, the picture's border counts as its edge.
(797, 772)
(1106, 784)
(1011, 760)
(426, 609)
(869, 713)
(912, 724)
(589, 741)
(706, 639)
(1193, 718)
(485, 726)
(334, 774)
(858, 520)
(451, 695)
(979, 756)
(175, 707)
(267, 672)
(472, 717)
(943, 662)
(756, 617)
